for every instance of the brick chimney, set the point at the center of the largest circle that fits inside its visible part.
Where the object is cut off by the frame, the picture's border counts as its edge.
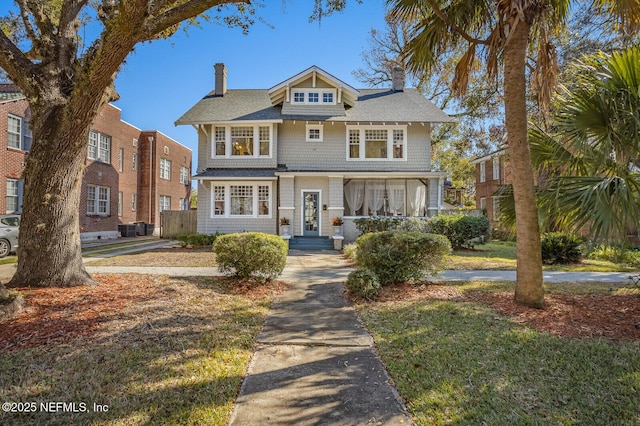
(397, 79)
(221, 79)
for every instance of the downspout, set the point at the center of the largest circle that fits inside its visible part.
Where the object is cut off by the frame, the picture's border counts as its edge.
(150, 138)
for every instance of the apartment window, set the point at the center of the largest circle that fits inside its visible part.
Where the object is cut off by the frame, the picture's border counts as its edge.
(184, 204)
(14, 196)
(314, 133)
(482, 172)
(134, 201)
(120, 202)
(218, 201)
(496, 168)
(121, 159)
(98, 200)
(134, 161)
(247, 199)
(18, 132)
(496, 208)
(242, 141)
(99, 147)
(184, 175)
(165, 169)
(483, 203)
(165, 202)
(376, 142)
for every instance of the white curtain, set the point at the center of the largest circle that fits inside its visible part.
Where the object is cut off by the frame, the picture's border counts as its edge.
(375, 195)
(417, 197)
(354, 194)
(395, 195)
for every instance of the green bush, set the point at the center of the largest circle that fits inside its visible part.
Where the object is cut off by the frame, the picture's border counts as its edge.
(463, 231)
(350, 251)
(560, 248)
(615, 253)
(196, 240)
(377, 224)
(399, 256)
(251, 254)
(364, 283)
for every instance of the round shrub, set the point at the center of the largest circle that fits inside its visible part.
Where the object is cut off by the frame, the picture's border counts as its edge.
(560, 248)
(463, 231)
(364, 283)
(399, 256)
(251, 254)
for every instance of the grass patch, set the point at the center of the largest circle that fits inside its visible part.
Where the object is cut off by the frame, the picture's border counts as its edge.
(197, 257)
(571, 288)
(8, 260)
(462, 363)
(176, 357)
(501, 255)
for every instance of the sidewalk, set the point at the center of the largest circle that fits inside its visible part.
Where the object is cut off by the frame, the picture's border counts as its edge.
(315, 363)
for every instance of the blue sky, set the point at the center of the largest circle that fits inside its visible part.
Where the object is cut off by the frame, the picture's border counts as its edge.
(162, 80)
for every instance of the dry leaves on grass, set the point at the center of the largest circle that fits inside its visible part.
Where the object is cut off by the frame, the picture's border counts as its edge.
(173, 256)
(610, 316)
(60, 315)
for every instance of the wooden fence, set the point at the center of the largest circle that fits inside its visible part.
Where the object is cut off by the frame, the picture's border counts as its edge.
(177, 222)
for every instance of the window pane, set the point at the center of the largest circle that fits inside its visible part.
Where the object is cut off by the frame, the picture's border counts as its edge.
(265, 140)
(263, 200)
(313, 97)
(220, 140)
(105, 148)
(327, 98)
(12, 199)
(93, 145)
(14, 125)
(91, 199)
(241, 197)
(375, 143)
(298, 97)
(354, 143)
(242, 141)
(218, 204)
(103, 199)
(398, 143)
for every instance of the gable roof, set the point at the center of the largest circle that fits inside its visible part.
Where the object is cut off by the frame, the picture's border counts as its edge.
(277, 92)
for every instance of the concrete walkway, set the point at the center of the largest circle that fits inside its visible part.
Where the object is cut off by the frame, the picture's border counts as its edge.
(315, 363)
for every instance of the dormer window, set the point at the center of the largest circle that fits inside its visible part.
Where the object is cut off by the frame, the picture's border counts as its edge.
(314, 97)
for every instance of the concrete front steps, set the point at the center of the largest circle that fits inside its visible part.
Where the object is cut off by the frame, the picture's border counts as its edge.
(311, 243)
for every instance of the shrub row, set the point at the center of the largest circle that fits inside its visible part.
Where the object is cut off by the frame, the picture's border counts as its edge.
(196, 240)
(463, 231)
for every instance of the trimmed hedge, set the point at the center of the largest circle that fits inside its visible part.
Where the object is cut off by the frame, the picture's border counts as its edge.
(462, 231)
(399, 256)
(196, 240)
(364, 283)
(251, 254)
(560, 248)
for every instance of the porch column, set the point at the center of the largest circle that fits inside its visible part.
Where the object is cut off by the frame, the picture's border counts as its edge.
(433, 197)
(336, 196)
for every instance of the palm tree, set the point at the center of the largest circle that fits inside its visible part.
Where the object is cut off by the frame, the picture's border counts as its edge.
(505, 32)
(594, 149)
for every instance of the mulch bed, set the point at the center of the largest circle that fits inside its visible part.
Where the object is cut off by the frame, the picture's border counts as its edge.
(54, 316)
(609, 316)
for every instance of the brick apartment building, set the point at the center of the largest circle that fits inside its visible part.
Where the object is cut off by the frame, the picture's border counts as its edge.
(491, 171)
(130, 175)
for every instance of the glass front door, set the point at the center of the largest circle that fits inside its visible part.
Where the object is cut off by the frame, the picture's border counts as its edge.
(311, 214)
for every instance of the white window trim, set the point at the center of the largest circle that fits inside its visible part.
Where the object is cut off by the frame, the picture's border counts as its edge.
(96, 193)
(18, 196)
(97, 156)
(496, 168)
(320, 93)
(320, 218)
(227, 199)
(165, 169)
(184, 175)
(483, 172)
(483, 203)
(390, 130)
(495, 205)
(161, 204)
(314, 127)
(19, 134)
(256, 141)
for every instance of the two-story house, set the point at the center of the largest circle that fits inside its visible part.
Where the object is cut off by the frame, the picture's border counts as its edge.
(309, 149)
(130, 175)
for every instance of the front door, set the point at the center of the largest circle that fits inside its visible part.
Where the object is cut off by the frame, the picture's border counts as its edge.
(311, 214)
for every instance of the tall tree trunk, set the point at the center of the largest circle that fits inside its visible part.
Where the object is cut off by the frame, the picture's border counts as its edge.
(49, 252)
(529, 285)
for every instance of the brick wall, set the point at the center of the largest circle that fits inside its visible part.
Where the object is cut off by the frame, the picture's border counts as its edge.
(11, 159)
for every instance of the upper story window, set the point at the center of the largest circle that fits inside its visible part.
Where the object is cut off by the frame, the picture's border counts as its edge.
(496, 168)
(19, 134)
(314, 96)
(314, 133)
(376, 142)
(184, 175)
(98, 200)
(483, 172)
(99, 147)
(242, 141)
(165, 169)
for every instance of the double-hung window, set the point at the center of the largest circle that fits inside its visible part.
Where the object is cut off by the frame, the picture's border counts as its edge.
(18, 132)
(242, 199)
(483, 172)
(165, 169)
(14, 196)
(242, 141)
(99, 147)
(496, 168)
(165, 202)
(98, 200)
(376, 142)
(184, 175)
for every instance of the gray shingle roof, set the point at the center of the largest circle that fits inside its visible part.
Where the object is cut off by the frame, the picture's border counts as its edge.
(380, 105)
(6, 97)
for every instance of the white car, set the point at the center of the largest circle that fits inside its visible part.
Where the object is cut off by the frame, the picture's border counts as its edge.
(9, 231)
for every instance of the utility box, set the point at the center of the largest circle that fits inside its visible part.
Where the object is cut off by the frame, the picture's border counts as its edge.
(127, 230)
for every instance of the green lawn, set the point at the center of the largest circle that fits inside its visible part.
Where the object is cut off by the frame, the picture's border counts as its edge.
(500, 255)
(462, 363)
